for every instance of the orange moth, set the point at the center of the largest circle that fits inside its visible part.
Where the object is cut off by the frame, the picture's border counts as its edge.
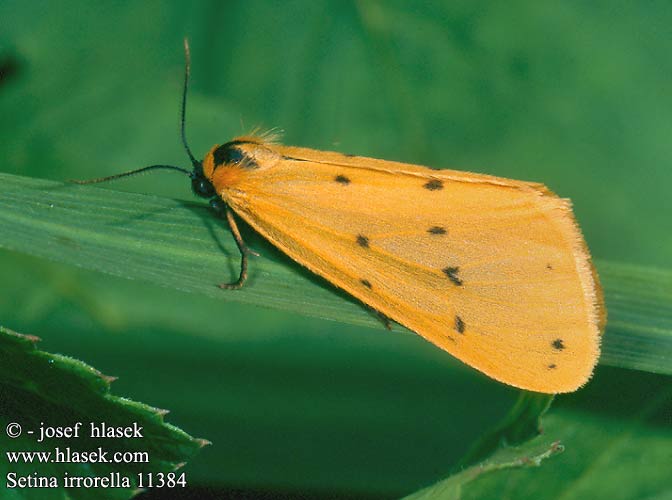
(492, 270)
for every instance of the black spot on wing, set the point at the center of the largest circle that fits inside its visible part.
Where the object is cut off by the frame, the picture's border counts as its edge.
(342, 179)
(363, 241)
(558, 344)
(387, 322)
(552, 366)
(366, 283)
(437, 230)
(433, 185)
(452, 272)
(549, 267)
(459, 325)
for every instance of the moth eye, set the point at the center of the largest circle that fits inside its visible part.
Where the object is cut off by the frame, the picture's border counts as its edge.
(202, 187)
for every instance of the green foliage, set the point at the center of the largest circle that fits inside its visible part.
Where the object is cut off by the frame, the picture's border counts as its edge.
(616, 449)
(566, 94)
(40, 390)
(529, 455)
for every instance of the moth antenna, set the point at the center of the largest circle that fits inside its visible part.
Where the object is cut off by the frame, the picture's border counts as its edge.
(183, 109)
(130, 173)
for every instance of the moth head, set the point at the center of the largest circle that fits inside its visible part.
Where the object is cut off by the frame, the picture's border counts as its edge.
(227, 164)
(200, 185)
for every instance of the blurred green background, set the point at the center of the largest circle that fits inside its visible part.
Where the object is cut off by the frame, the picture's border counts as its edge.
(575, 95)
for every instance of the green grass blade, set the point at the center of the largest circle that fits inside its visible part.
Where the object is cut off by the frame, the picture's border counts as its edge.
(180, 245)
(639, 326)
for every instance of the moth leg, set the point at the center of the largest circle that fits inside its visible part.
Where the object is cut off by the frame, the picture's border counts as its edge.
(244, 251)
(218, 206)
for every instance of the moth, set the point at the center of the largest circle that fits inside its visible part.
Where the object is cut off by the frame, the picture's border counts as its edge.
(494, 271)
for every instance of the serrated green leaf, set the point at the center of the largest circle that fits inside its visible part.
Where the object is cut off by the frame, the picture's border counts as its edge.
(531, 454)
(177, 244)
(612, 449)
(514, 442)
(616, 449)
(38, 391)
(521, 424)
